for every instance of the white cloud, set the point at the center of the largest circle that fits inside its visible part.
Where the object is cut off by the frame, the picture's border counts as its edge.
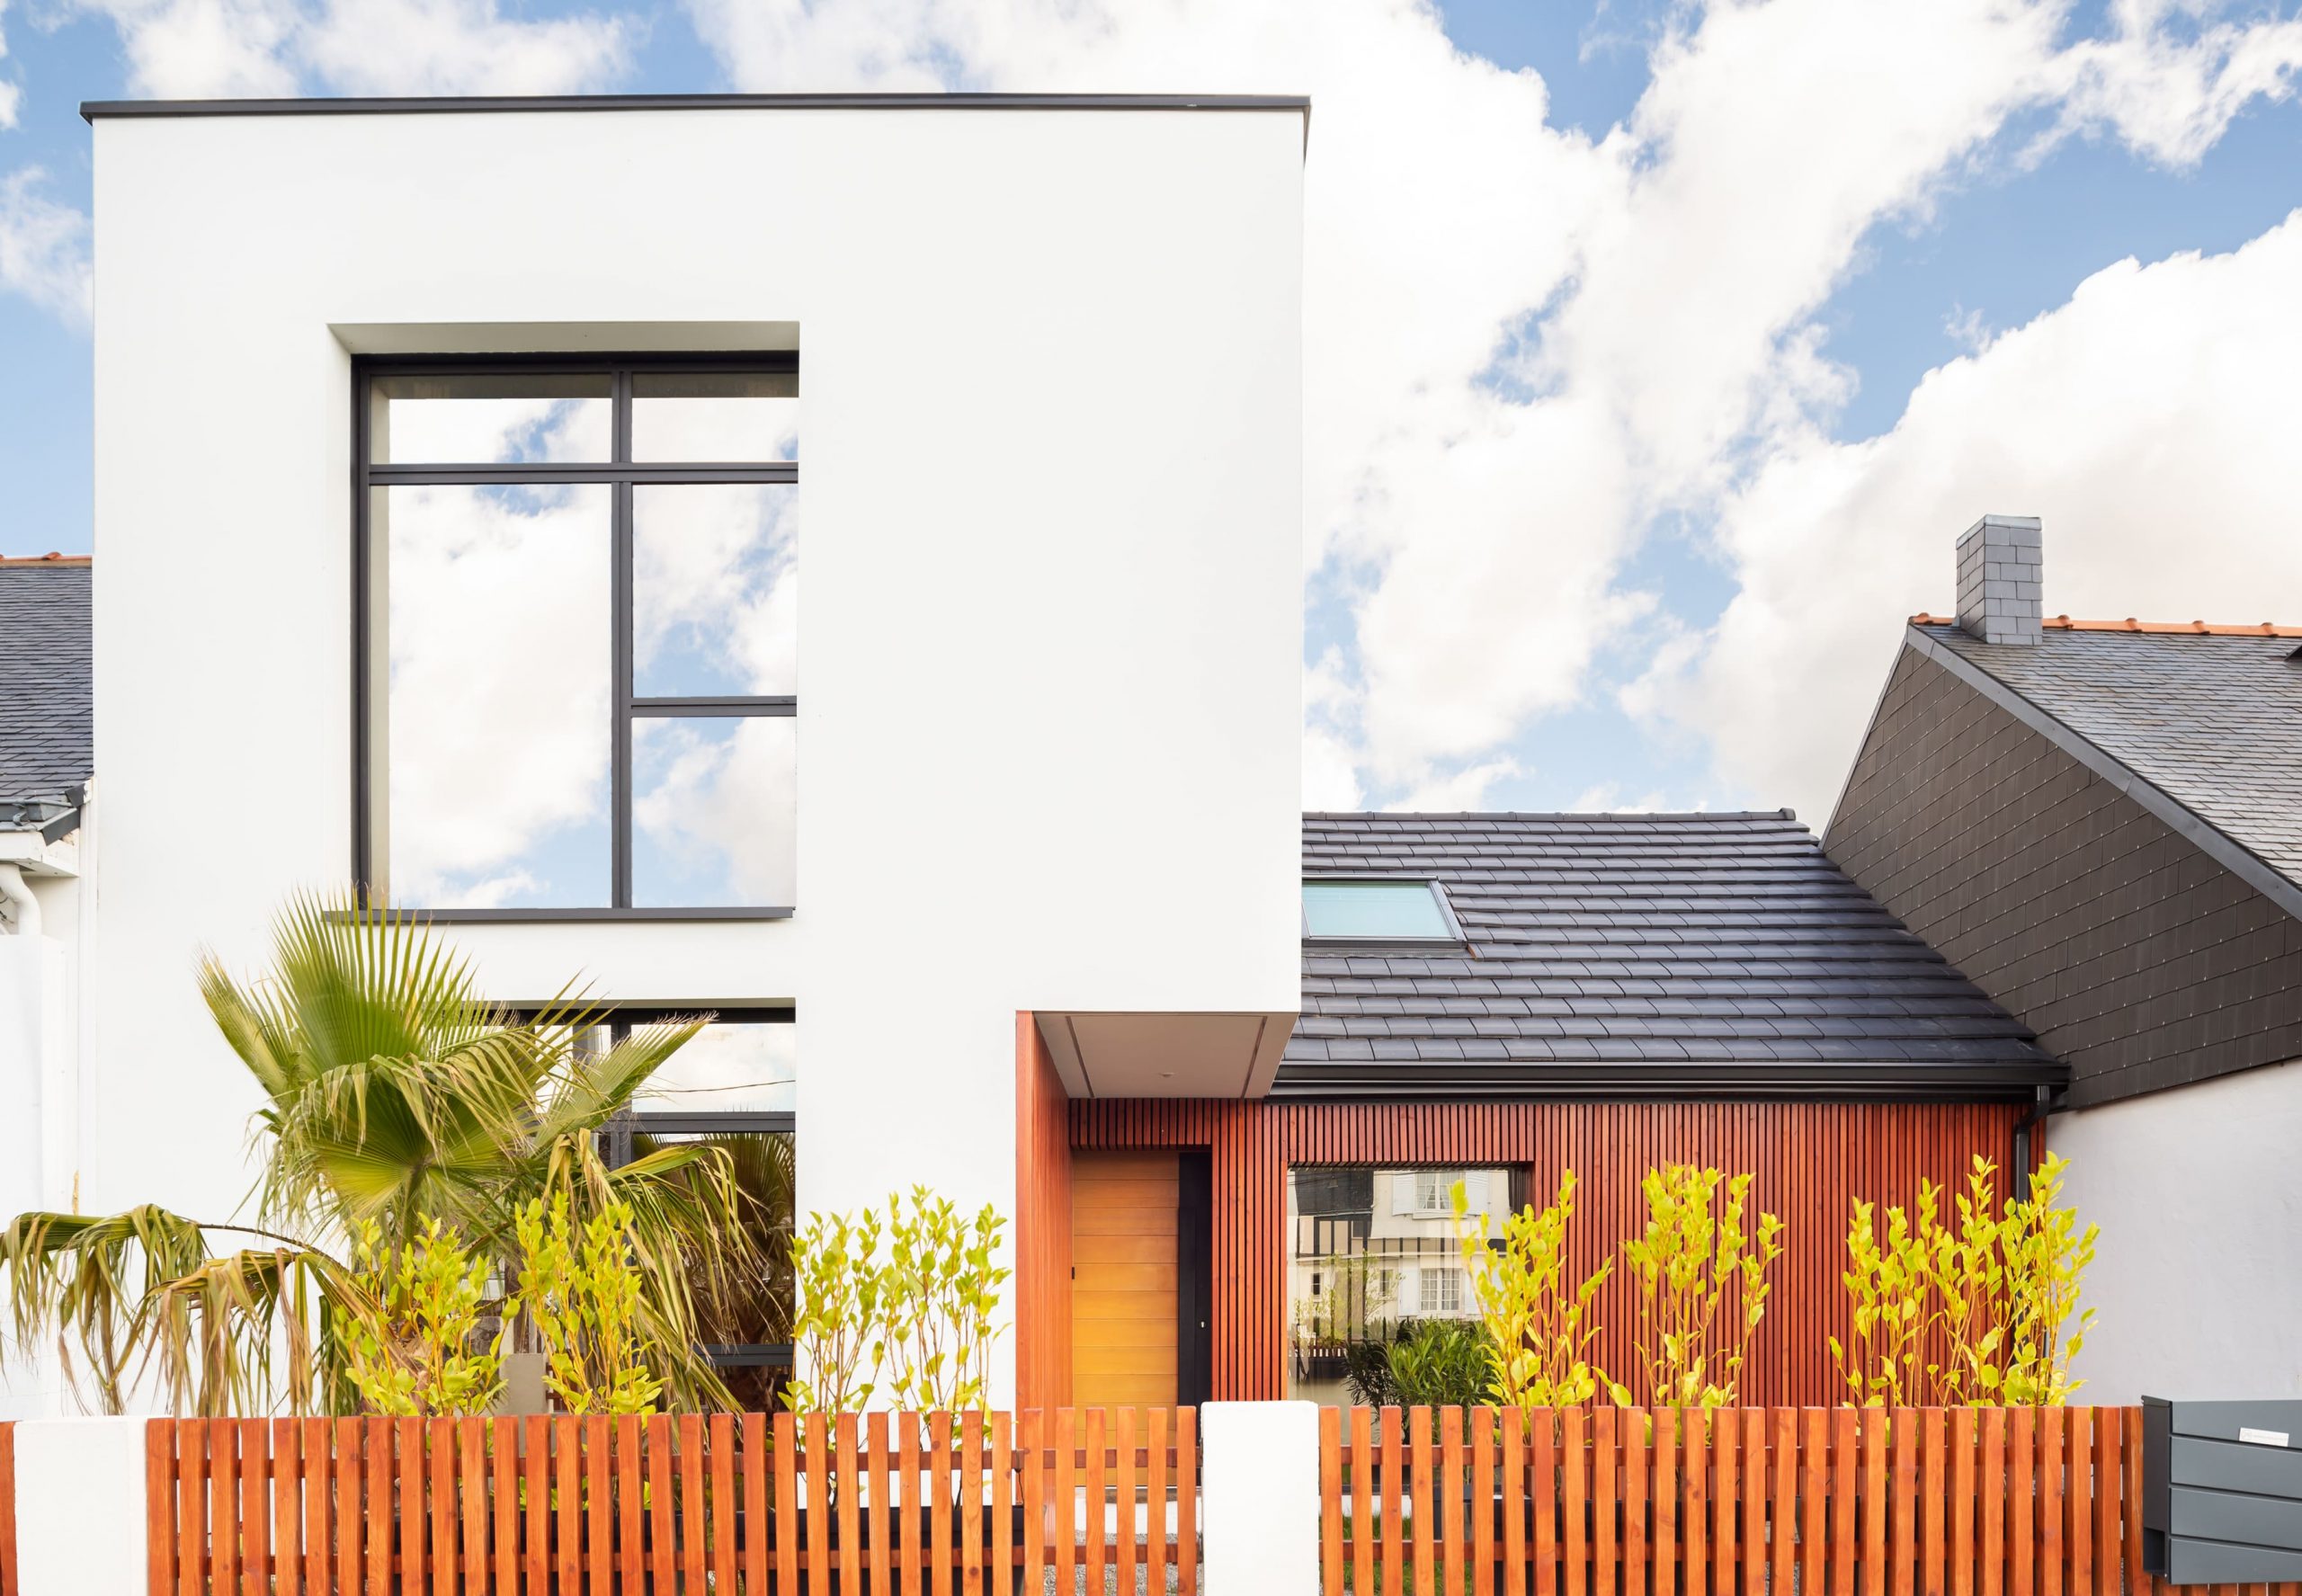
(2149, 421)
(43, 247)
(1462, 790)
(12, 95)
(190, 48)
(1654, 296)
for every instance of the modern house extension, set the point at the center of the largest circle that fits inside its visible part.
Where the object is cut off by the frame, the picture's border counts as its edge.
(2101, 822)
(1497, 999)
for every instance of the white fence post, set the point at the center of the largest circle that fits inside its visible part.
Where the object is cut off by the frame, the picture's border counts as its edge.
(1259, 1466)
(80, 1508)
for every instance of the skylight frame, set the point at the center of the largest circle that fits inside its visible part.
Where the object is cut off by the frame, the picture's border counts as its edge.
(1453, 938)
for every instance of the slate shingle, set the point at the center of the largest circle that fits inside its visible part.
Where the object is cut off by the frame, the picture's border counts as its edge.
(2212, 720)
(46, 692)
(1681, 942)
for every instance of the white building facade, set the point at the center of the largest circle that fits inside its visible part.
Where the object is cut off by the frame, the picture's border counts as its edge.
(457, 465)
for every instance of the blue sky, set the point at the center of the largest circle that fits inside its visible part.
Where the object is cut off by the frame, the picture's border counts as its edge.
(1676, 644)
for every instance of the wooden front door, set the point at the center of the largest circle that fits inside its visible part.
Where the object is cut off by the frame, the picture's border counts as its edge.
(1123, 1278)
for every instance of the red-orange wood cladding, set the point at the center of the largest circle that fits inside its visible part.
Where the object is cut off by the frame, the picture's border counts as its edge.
(1810, 1161)
(1042, 1224)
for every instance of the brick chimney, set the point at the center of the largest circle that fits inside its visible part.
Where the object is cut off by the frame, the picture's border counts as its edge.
(1999, 571)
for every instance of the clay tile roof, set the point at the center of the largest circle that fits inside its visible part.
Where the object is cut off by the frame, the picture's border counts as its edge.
(1636, 955)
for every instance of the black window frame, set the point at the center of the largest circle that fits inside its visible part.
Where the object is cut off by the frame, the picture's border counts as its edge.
(621, 474)
(616, 1150)
(1453, 940)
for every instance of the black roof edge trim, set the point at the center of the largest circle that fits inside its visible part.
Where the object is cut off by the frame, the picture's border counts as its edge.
(422, 104)
(1623, 816)
(1618, 1091)
(1833, 1082)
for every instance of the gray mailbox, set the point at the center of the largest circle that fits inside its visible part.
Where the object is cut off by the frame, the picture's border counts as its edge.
(2221, 1491)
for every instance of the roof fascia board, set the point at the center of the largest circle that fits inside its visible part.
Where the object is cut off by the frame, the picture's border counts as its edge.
(465, 105)
(2209, 839)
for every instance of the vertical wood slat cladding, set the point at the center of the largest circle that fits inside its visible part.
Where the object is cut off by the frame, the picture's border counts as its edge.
(1042, 1224)
(1811, 1163)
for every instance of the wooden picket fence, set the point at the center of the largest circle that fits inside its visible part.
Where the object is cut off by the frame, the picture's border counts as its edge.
(881, 1502)
(1815, 1502)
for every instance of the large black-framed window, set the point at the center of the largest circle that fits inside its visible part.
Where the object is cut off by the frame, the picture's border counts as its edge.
(732, 1086)
(575, 635)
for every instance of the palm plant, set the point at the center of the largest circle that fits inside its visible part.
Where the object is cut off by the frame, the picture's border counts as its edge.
(393, 1093)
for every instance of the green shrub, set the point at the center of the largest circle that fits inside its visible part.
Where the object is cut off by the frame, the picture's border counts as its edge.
(1442, 1363)
(1702, 1286)
(1538, 1335)
(581, 1292)
(413, 1356)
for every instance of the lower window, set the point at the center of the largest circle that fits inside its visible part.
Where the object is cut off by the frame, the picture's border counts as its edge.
(732, 1086)
(1371, 1253)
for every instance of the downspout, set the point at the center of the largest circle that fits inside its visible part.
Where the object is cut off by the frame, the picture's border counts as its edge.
(23, 908)
(2033, 1118)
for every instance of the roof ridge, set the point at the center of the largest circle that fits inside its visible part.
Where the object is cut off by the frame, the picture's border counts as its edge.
(49, 558)
(2063, 623)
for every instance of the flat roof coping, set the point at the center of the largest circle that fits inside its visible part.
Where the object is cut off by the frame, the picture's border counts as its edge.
(422, 104)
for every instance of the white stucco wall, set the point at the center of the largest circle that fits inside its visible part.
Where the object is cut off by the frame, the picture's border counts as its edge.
(2198, 1279)
(1050, 624)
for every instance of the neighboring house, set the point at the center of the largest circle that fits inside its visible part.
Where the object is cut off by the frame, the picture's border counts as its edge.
(46, 763)
(2101, 821)
(1500, 998)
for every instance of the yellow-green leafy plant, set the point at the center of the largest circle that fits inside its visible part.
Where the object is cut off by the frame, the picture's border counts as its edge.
(419, 1353)
(1701, 1280)
(909, 1306)
(838, 1322)
(579, 1291)
(941, 1300)
(1974, 1310)
(1539, 1333)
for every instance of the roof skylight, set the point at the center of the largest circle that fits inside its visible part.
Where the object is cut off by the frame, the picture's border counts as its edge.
(1376, 910)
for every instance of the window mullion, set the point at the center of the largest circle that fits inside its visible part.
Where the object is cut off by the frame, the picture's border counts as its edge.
(622, 662)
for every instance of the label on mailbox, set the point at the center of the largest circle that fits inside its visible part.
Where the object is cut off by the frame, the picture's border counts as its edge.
(2264, 1438)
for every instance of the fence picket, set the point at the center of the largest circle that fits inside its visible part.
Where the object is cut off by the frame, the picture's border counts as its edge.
(1542, 1498)
(1096, 1480)
(1698, 1440)
(1902, 1526)
(2077, 1494)
(1187, 1499)
(1394, 1498)
(2109, 1430)
(847, 1485)
(1002, 1522)
(880, 1514)
(1573, 1500)
(1032, 1439)
(1447, 1521)
(1421, 1506)
(1605, 1477)
(785, 1449)
(2050, 1505)
(1664, 1520)
(1726, 1473)
(754, 1536)
(1155, 1504)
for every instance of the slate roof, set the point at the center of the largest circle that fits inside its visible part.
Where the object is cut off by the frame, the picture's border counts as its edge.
(1638, 955)
(2212, 719)
(47, 696)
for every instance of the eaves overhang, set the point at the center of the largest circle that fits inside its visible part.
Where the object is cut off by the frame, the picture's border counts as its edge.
(1740, 1081)
(2186, 822)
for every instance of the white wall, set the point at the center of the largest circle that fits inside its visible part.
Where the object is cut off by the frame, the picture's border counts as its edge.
(1050, 631)
(2198, 1278)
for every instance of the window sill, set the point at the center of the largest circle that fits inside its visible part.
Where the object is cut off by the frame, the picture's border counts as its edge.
(578, 916)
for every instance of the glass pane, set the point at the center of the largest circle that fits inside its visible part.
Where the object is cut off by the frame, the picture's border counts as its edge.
(713, 811)
(715, 590)
(496, 418)
(727, 1066)
(760, 1312)
(1372, 1252)
(715, 417)
(497, 736)
(1373, 909)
